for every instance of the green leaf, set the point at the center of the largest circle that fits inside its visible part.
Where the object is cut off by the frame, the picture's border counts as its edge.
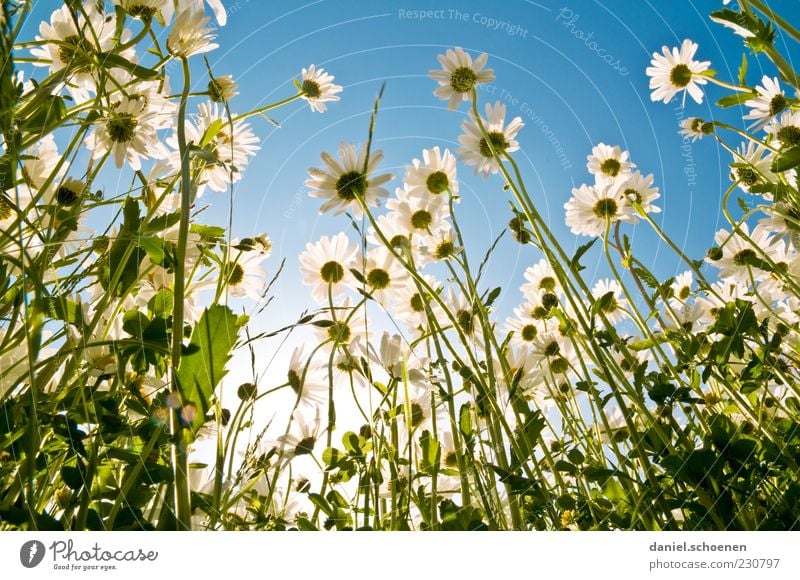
(162, 304)
(787, 159)
(465, 421)
(743, 70)
(431, 453)
(735, 99)
(211, 132)
(566, 467)
(203, 366)
(61, 308)
(604, 303)
(154, 247)
(646, 277)
(575, 264)
(161, 223)
(134, 323)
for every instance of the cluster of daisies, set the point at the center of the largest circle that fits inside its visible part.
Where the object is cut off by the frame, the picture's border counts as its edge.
(134, 121)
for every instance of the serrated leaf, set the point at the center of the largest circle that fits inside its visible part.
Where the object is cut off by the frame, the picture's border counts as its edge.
(574, 263)
(203, 366)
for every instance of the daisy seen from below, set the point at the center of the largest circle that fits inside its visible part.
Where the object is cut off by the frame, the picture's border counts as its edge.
(591, 207)
(344, 185)
(639, 189)
(326, 266)
(190, 35)
(540, 278)
(383, 274)
(476, 150)
(306, 380)
(244, 275)
(143, 9)
(232, 145)
(752, 166)
(770, 102)
(305, 431)
(417, 215)
(317, 88)
(613, 305)
(608, 163)
(433, 175)
(128, 134)
(66, 41)
(675, 71)
(222, 89)
(786, 129)
(738, 260)
(695, 128)
(459, 76)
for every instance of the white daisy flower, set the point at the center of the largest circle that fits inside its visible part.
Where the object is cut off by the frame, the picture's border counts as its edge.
(440, 244)
(459, 75)
(475, 150)
(525, 329)
(129, 134)
(615, 306)
(682, 286)
(383, 273)
(464, 313)
(540, 278)
(549, 347)
(150, 98)
(232, 147)
(143, 9)
(397, 357)
(408, 304)
(67, 40)
(695, 128)
(190, 35)
(306, 379)
(688, 316)
(769, 103)
(608, 163)
(222, 89)
(638, 188)
(244, 276)
(318, 88)
(304, 433)
(521, 374)
(753, 166)
(738, 260)
(220, 14)
(676, 71)
(344, 184)
(590, 208)
(435, 174)
(417, 215)
(326, 266)
(786, 129)
(348, 325)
